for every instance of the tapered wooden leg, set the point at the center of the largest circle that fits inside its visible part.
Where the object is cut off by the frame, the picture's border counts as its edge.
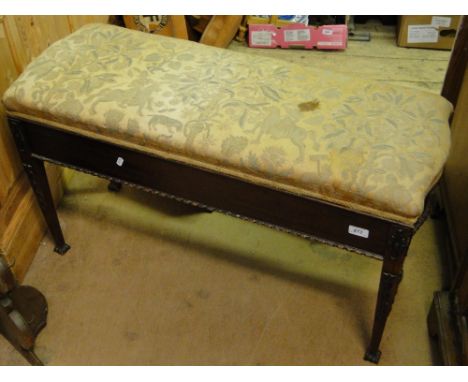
(31, 357)
(390, 278)
(38, 179)
(35, 171)
(387, 290)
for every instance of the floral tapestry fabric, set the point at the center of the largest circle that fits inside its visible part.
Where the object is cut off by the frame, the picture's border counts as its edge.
(360, 144)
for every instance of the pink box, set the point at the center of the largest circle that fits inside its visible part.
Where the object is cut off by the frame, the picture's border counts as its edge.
(296, 35)
(331, 37)
(263, 36)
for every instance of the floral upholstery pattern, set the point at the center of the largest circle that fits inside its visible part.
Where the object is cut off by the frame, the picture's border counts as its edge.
(367, 146)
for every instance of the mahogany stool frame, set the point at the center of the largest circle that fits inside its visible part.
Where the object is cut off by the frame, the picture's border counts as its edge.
(387, 240)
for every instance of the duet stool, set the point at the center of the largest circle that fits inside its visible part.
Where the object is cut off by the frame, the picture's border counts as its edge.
(337, 159)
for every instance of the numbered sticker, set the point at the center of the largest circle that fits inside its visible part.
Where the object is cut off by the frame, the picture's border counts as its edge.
(422, 34)
(120, 161)
(358, 231)
(441, 21)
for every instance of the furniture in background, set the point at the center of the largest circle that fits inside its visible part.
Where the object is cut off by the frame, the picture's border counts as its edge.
(428, 32)
(449, 313)
(216, 30)
(23, 313)
(220, 30)
(164, 25)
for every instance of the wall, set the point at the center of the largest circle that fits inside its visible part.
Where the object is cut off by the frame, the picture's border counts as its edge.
(21, 224)
(456, 182)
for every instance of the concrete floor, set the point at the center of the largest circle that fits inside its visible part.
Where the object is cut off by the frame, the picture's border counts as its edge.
(149, 281)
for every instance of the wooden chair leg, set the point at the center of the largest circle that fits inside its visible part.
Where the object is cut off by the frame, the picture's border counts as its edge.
(387, 290)
(38, 178)
(390, 278)
(31, 357)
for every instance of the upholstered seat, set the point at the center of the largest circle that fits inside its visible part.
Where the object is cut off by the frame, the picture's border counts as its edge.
(363, 145)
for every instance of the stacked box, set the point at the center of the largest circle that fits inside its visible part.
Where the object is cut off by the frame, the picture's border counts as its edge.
(331, 37)
(263, 36)
(296, 34)
(324, 37)
(430, 32)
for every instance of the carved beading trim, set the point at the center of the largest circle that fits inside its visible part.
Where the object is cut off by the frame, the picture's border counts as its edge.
(204, 206)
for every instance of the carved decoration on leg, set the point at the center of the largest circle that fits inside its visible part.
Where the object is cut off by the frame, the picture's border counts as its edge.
(37, 176)
(391, 276)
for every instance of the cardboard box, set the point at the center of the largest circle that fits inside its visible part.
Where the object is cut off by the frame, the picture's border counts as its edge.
(432, 32)
(274, 20)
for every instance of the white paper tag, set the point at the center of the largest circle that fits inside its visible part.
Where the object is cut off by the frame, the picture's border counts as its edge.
(261, 38)
(120, 161)
(296, 35)
(422, 33)
(327, 32)
(358, 231)
(329, 43)
(441, 21)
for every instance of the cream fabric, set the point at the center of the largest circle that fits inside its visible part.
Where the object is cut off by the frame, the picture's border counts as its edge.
(365, 145)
